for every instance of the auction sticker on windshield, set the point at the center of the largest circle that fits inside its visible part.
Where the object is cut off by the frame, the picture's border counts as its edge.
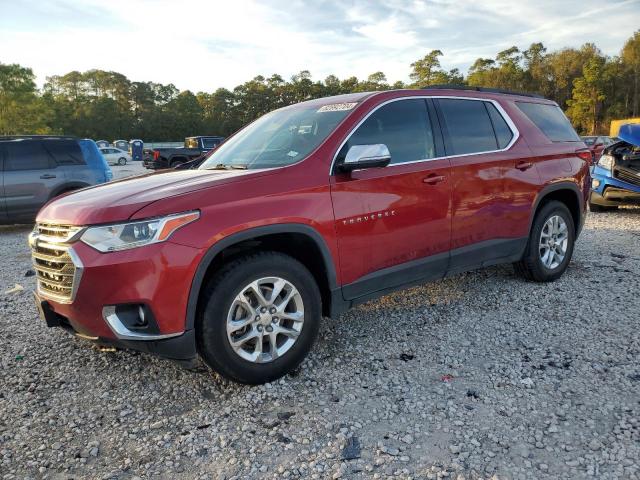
(337, 107)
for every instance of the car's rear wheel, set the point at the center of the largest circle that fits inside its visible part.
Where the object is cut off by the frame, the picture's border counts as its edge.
(260, 317)
(550, 245)
(122, 161)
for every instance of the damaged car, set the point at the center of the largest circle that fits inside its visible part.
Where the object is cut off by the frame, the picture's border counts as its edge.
(616, 175)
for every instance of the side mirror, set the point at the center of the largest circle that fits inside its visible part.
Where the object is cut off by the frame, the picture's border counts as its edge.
(366, 156)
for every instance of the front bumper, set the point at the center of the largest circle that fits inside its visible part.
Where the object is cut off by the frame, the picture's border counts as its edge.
(181, 348)
(609, 191)
(157, 276)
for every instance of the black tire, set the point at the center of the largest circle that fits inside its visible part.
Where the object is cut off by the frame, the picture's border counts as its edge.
(122, 161)
(531, 266)
(211, 334)
(175, 163)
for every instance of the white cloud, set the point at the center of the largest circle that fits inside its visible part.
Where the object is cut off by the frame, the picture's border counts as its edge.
(202, 45)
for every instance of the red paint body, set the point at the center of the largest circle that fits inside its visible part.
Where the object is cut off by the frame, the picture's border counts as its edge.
(473, 199)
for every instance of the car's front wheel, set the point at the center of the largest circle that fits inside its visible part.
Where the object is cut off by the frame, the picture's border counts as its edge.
(260, 317)
(550, 245)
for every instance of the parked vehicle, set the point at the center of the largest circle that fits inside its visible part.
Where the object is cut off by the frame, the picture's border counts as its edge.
(308, 211)
(115, 156)
(616, 176)
(597, 145)
(166, 157)
(35, 169)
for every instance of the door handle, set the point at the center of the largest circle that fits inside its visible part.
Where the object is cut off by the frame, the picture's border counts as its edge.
(47, 176)
(524, 165)
(433, 179)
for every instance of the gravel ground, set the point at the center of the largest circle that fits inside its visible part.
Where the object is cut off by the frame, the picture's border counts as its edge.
(128, 170)
(479, 376)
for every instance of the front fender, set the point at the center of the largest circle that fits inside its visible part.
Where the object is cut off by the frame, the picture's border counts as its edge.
(249, 234)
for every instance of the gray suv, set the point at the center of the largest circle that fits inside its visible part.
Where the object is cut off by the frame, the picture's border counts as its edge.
(34, 169)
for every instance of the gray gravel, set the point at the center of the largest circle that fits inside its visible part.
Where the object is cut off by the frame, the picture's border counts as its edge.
(479, 376)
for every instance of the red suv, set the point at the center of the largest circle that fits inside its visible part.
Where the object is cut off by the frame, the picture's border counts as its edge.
(308, 211)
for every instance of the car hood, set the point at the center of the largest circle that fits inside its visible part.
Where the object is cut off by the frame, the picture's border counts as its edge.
(630, 133)
(119, 200)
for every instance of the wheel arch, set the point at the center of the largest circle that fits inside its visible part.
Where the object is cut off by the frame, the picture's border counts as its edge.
(565, 192)
(314, 254)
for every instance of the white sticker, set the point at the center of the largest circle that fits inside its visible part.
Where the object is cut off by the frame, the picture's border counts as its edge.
(292, 153)
(337, 107)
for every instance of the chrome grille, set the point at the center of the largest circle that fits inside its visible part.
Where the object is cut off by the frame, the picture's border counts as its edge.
(58, 268)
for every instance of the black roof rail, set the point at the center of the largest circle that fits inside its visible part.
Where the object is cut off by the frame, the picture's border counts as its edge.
(480, 89)
(38, 137)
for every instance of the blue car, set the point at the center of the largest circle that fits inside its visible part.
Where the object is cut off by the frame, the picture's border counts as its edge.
(616, 175)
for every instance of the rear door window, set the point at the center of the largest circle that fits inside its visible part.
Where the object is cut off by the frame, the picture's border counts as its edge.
(403, 126)
(550, 120)
(469, 126)
(65, 152)
(27, 155)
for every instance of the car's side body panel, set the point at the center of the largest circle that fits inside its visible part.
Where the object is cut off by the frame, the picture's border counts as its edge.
(377, 230)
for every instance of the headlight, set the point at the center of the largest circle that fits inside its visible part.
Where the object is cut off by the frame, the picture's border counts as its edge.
(606, 161)
(123, 236)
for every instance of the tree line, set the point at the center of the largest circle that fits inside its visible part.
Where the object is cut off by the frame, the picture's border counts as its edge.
(591, 87)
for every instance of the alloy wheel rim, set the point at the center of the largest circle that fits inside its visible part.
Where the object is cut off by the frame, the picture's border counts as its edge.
(265, 319)
(554, 241)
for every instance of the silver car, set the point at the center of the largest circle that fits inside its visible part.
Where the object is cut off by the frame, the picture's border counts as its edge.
(34, 169)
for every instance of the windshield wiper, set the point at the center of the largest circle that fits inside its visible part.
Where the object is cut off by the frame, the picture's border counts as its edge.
(222, 166)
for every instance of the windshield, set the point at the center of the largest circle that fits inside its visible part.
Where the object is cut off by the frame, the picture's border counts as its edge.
(279, 138)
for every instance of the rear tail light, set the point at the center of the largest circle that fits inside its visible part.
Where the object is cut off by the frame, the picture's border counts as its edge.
(586, 155)
(156, 155)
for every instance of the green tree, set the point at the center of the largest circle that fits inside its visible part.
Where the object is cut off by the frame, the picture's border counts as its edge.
(21, 110)
(631, 60)
(588, 93)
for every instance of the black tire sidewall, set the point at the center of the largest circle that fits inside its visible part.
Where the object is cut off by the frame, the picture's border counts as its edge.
(213, 343)
(122, 161)
(541, 272)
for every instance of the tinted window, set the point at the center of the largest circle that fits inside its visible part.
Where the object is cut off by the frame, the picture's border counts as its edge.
(65, 152)
(26, 155)
(469, 126)
(403, 126)
(210, 142)
(551, 120)
(500, 127)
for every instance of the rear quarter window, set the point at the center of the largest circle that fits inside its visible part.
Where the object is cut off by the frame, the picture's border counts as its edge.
(65, 152)
(550, 120)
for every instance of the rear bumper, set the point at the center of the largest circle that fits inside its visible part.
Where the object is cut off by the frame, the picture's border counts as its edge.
(154, 164)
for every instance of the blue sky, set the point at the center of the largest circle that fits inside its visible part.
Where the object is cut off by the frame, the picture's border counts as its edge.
(203, 45)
